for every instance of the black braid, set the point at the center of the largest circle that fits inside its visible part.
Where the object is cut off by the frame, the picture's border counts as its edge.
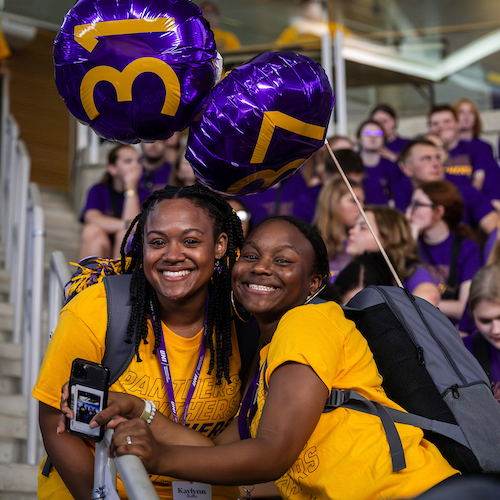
(143, 295)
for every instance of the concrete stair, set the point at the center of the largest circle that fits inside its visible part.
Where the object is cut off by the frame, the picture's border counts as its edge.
(18, 480)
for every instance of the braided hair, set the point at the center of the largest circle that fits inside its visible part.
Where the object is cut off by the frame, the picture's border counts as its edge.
(143, 296)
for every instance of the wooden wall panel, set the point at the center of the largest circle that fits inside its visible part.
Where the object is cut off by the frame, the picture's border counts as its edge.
(40, 112)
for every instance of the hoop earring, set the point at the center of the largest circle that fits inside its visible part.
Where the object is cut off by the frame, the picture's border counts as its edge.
(235, 309)
(311, 297)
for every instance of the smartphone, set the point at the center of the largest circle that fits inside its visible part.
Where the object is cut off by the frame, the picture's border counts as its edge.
(88, 395)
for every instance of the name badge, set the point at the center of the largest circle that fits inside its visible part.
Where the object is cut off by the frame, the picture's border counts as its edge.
(185, 490)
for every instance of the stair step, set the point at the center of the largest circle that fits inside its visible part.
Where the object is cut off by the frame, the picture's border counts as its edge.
(18, 478)
(10, 359)
(11, 351)
(13, 420)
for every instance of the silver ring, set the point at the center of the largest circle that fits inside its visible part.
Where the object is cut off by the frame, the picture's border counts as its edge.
(129, 440)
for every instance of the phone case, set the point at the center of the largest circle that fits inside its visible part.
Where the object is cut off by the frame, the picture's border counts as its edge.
(88, 394)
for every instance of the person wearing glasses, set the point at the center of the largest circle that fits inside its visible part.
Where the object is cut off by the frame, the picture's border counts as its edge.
(421, 161)
(445, 244)
(381, 173)
(387, 117)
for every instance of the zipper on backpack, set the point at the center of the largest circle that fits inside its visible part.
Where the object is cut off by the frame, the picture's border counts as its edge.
(454, 391)
(420, 356)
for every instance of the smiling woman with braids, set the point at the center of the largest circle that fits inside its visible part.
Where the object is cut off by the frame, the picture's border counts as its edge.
(282, 433)
(185, 243)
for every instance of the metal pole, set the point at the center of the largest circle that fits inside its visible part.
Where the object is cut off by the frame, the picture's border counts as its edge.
(131, 469)
(37, 235)
(327, 64)
(19, 240)
(340, 84)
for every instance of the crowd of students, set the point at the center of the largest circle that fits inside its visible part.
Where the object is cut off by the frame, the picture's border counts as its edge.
(432, 212)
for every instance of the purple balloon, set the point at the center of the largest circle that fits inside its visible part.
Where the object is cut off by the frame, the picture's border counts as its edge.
(134, 70)
(260, 123)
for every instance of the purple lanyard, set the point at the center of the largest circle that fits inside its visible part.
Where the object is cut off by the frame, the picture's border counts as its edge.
(165, 368)
(248, 407)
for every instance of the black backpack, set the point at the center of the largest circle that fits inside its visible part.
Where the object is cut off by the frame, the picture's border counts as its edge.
(427, 370)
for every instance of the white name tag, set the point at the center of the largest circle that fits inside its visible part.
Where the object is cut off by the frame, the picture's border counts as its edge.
(185, 490)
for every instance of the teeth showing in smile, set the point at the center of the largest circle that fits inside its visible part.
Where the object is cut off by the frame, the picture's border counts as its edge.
(262, 288)
(175, 274)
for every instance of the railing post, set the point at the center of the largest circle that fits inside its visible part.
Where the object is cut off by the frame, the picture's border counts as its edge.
(18, 239)
(131, 469)
(33, 314)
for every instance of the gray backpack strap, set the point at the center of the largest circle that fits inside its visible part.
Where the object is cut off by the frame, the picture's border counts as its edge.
(118, 353)
(354, 401)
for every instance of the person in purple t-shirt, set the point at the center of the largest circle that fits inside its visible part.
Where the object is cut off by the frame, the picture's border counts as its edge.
(484, 304)
(381, 173)
(394, 232)
(421, 162)
(444, 244)
(387, 117)
(279, 199)
(112, 204)
(157, 159)
(467, 162)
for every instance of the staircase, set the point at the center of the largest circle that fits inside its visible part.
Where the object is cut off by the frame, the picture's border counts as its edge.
(17, 479)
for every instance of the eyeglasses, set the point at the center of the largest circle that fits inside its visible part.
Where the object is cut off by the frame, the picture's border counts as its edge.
(417, 204)
(376, 133)
(243, 215)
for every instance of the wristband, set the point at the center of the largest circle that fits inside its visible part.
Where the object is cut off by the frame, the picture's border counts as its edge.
(148, 412)
(129, 192)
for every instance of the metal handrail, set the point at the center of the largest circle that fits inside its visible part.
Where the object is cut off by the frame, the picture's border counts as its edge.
(18, 215)
(33, 302)
(131, 469)
(59, 276)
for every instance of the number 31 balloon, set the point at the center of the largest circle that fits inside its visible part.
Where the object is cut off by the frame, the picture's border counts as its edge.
(134, 70)
(260, 123)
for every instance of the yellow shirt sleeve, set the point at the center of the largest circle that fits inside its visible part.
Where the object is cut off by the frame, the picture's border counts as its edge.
(80, 333)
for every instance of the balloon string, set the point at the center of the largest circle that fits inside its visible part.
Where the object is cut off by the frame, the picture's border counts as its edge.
(363, 214)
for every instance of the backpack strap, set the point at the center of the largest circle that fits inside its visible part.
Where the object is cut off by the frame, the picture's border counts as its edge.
(354, 401)
(118, 354)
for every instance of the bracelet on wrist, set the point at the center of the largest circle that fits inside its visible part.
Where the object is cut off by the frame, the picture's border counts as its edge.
(149, 411)
(129, 192)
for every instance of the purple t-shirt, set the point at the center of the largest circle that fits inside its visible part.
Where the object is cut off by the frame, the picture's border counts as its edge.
(494, 362)
(397, 145)
(305, 205)
(436, 259)
(476, 204)
(100, 197)
(276, 200)
(380, 182)
(467, 157)
(419, 276)
(158, 178)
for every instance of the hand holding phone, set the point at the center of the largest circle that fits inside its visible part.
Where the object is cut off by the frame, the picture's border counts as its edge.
(88, 395)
